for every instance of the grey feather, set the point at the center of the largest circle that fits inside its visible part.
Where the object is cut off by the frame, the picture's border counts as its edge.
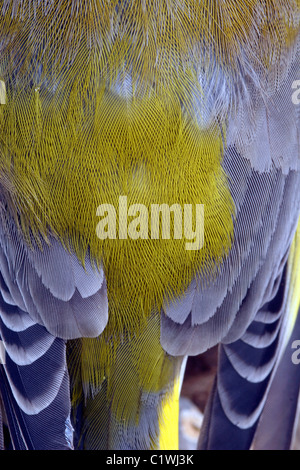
(224, 310)
(277, 424)
(245, 376)
(54, 300)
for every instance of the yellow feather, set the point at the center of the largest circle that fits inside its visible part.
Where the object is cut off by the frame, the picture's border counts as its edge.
(169, 418)
(62, 163)
(100, 103)
(293, 295)
(116, 376)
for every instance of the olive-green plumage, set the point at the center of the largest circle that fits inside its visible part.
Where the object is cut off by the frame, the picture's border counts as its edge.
(162, 103)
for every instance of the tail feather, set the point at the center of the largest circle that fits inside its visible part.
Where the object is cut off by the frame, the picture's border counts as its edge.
(129, 398)
(277, 424)
(246, 381)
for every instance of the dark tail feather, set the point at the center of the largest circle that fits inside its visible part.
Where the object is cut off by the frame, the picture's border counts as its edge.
(277, 424)
(245, 375)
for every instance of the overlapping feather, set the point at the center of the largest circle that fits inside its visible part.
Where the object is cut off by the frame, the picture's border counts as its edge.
(141, 99)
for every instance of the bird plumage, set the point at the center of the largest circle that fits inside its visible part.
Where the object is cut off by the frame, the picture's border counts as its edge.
(164, 103)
